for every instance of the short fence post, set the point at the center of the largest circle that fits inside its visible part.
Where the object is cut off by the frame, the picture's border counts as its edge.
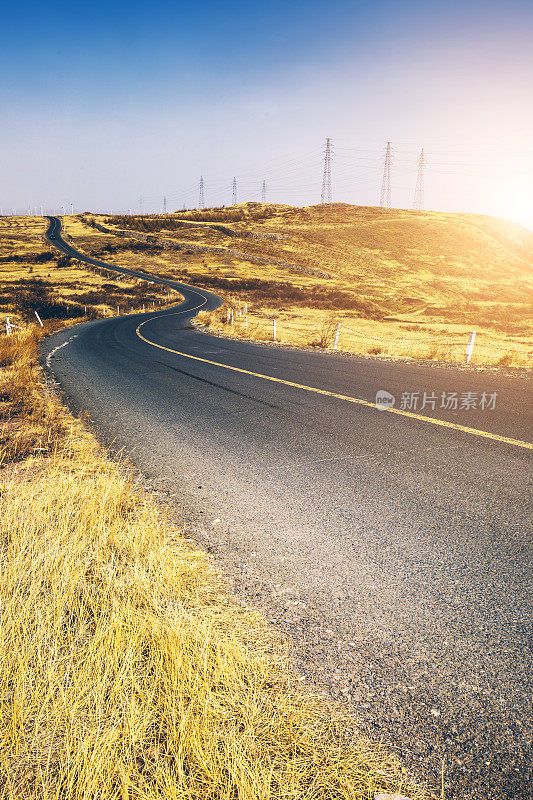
(336, 342)
(470, 346)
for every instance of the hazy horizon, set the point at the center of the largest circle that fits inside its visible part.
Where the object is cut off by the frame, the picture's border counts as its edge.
(110, 102)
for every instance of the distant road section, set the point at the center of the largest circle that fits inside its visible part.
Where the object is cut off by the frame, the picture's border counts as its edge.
(397, 553)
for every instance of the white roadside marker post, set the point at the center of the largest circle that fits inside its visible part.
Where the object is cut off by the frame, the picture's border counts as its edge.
(8, 327)
(40, 320)
(118, 310)
(336, 342)
(274, 330)
(470, 346)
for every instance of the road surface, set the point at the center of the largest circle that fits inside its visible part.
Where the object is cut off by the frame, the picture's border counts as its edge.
(396, 552)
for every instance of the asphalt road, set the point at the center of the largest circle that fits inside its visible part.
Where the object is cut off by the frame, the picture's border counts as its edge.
(396, 552)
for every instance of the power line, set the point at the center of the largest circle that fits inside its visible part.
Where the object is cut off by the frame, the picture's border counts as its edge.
(385, 198)
(418, 202)
(325, 196)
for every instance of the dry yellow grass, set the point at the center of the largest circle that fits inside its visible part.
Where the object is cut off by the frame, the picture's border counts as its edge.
(128, 671)
(35, 277)
(402, 284)
(311, 327)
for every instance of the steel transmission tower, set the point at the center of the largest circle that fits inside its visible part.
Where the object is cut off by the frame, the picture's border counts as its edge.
(164, 204)
(201, 199)
(418, 202)
(325, 197)
(264, 192)
(234, 192)
(385, 198)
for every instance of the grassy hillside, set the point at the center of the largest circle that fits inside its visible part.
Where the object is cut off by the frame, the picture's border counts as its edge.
(401, 283)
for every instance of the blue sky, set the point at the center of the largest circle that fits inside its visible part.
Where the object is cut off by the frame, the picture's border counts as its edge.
(103, 102)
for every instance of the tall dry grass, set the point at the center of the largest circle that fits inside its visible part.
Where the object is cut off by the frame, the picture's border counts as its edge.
(127, 669)
(31, 420)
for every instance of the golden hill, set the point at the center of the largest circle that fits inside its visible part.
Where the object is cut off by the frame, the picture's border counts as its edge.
(400, 283)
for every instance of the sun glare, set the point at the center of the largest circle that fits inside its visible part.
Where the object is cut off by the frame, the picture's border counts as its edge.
(516, 203)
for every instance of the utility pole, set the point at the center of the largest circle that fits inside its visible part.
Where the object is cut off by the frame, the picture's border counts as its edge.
(264, 192)
(418, 202)
(325, 196)
(385, 199)
(164, 204)
(201, 198)
(234, 192)
(141, 205)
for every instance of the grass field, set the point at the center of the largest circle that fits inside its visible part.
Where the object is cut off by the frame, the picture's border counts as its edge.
(128, 670)
(35, 278)
(401, 284)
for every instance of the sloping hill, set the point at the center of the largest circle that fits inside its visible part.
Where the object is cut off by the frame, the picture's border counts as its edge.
(392, 279)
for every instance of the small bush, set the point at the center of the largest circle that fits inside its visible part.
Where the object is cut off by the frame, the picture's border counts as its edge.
(327, 335)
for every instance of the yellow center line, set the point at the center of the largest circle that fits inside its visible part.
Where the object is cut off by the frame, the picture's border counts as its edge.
(346, 398)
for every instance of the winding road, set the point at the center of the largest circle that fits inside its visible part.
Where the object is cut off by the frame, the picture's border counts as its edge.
(394, 547)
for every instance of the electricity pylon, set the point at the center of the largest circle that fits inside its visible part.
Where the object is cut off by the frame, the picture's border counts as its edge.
(325, 196)
(418, 202)
(201, 198)
(385, 199)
